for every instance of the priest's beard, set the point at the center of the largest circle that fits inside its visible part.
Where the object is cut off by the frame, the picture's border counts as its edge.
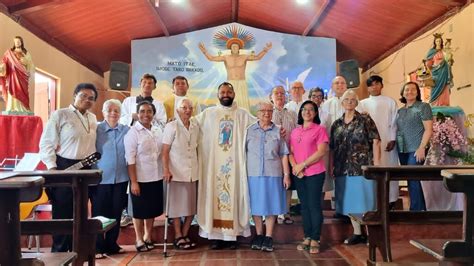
(226, 101)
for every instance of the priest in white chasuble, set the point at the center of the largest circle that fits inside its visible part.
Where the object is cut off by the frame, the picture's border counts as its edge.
(223, 201)
(383, 110)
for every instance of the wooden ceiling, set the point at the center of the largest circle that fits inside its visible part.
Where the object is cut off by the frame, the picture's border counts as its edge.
(96, 32)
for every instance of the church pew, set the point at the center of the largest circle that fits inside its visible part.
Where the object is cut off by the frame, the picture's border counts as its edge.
(457, 251)
(83, 237)
(378, 221)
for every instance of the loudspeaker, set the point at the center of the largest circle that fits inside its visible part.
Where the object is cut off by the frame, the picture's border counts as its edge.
(119, 75)
(350, 71)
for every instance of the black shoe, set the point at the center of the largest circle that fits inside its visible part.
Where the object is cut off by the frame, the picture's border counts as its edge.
(232, 245)
(267, 244)
(391, 205)
(257, 242)
(355, 239)
(216, 244)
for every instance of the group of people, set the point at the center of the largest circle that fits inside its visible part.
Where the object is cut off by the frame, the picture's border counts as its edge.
(225, 165)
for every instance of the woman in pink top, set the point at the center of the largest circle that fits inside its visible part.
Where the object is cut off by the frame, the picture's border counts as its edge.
(308, 145)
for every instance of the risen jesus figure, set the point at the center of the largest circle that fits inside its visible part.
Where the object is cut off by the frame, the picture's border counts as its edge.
(235, 63)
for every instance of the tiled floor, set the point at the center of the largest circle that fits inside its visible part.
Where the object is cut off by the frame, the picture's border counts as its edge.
(283, 255)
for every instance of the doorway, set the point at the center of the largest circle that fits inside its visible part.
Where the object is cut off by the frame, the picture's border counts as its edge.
(45, 95)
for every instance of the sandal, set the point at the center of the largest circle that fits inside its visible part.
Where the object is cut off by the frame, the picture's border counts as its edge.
(99, 256)
(181, 243)
(287, 220)
(314, 247)
(304, 245)
(191, 243)
(149, 244)
(141, 248)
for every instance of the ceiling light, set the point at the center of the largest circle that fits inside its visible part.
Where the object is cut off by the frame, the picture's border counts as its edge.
(301, 2)
(176, 1)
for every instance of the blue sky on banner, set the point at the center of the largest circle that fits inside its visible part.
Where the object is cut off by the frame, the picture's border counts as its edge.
(292, 57)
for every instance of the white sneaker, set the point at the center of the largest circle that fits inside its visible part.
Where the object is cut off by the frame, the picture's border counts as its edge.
(126, 220)
(281, 219)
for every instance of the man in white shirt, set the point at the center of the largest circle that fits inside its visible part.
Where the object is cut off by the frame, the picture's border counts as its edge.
(330, 111)
(180, 91)
(129, 106)
(296, 91)
(69, 137)
(332, 107)
(383, 110)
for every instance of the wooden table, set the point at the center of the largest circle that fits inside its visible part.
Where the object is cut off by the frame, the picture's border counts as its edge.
(12, 191)
(83, 230)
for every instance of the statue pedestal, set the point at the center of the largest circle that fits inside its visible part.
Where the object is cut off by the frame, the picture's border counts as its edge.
(437, 197)
(17, 113)
(19, 134)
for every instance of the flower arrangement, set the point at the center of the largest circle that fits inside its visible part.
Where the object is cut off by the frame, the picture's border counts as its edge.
(447, 140)
(467, 157)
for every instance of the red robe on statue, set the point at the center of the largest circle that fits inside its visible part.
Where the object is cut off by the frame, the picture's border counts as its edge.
(15, 82)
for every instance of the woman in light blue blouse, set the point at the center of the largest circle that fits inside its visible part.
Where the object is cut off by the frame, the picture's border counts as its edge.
(109, 198)
(268, 175)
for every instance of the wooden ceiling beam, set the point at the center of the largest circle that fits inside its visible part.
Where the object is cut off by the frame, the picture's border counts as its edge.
(32, 6)
(158, 18)
(317, 17)
(235, 10)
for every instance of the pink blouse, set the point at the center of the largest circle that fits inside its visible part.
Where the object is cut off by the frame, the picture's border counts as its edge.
(304, 142)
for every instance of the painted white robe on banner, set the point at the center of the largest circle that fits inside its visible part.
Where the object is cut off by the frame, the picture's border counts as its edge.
(383, 110)
(223, 199)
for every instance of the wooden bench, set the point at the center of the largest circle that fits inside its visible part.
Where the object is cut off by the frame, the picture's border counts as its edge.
(13, 189)
(378, 221)
(84, 231)
(457, 251)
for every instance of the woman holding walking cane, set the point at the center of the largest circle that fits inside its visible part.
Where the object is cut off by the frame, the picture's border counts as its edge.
(180, 169)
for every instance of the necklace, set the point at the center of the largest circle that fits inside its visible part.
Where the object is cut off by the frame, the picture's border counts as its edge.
(88, 128)
(300, 136)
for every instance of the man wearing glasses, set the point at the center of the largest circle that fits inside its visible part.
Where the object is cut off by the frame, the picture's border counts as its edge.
(296, 92)
(68, 138)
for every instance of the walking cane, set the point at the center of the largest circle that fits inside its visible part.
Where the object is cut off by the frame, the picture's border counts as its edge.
(165, 254)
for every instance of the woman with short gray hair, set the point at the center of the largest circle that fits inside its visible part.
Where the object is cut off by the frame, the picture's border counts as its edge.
(268, 175)
(354, 142)
(110, 196)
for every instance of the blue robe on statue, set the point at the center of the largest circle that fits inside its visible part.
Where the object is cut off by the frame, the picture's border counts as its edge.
(439, 71)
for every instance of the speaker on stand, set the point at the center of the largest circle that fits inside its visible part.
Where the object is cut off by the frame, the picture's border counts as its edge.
(349, 69)
(119, 75)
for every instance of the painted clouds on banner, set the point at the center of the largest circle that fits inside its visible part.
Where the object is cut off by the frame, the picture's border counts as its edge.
(291, 57)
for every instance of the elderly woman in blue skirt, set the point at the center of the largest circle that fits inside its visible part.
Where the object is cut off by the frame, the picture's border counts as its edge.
(268, 175)
(354, 142)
